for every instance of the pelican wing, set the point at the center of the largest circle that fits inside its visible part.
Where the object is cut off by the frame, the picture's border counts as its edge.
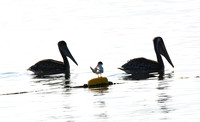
(48, 66)
(140, 65)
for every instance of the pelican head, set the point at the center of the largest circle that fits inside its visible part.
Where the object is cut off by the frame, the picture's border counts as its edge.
(65, 51)
(160, 48)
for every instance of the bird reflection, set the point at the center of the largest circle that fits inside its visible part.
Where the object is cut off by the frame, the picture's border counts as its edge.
(100, 103)
(102, 115)
(49, 81)
(52, 77)
(163, 98)
(143, 76)
(67, 76)
(59, 79)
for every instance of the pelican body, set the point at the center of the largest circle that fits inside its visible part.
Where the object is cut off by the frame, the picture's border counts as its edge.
(143, 65)
(50, 66)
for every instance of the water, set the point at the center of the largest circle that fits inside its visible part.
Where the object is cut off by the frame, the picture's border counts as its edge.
(112, 31)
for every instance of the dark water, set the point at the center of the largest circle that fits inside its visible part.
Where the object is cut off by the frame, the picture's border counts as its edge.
(110, 31)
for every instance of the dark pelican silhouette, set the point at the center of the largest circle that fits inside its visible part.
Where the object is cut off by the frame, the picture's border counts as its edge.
(143, 65)
(50, 66)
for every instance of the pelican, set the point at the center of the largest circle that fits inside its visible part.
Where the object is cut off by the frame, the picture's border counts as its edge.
(143, 65)
(50, 66)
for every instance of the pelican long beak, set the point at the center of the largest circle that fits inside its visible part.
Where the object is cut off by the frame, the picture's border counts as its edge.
(67, 53)
(163, 51)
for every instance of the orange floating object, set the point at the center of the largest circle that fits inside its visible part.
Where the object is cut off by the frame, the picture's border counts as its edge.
(98, 82)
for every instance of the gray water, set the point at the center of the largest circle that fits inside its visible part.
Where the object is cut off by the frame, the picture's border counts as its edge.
(111, 31)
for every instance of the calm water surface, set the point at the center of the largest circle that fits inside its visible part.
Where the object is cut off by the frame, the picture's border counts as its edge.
(112, 31)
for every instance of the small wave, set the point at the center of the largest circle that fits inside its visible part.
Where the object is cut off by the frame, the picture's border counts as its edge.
(8, 74)
(14, 93)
